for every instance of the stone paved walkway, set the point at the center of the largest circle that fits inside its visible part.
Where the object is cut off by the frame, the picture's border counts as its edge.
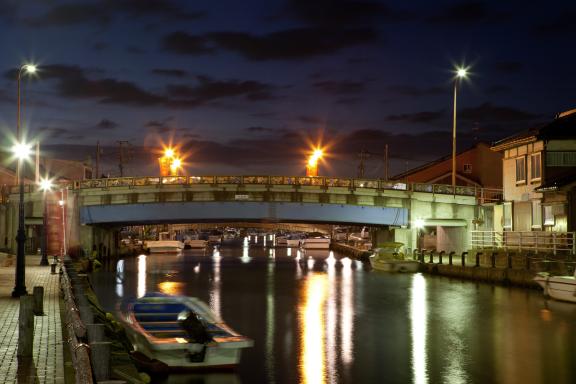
(47, 365)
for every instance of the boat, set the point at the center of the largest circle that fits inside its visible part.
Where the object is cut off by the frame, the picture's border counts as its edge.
(164, 244)
(294, 239)
(195, 243)
(315, 240)
(558, 287)
(180, 332)
(389, 258)
(281, 241)
(215, 237)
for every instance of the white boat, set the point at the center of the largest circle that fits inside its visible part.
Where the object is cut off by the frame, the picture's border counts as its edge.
(164, 244)
(389, 258)
(281, 241)
(176, 332)
(315, 241)
(558, 287)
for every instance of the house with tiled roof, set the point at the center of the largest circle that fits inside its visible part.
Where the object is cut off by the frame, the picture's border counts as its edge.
(539, 179)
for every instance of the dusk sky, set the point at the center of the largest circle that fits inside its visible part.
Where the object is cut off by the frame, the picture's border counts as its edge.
(246, 86)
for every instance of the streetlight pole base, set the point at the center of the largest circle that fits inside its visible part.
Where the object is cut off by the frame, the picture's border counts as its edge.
(19, 291)
(44, 261)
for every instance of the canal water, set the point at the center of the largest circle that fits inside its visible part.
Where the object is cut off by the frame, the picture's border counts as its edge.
(318, 317)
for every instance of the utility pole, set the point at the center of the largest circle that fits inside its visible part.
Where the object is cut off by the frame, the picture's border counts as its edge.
(122, 158)
(97, 160)
(363, 155)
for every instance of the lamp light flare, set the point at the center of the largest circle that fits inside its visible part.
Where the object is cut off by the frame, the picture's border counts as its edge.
(46, 184)
(22, 150)
(169, 152)
(461, 73)
(30, 68)
(419, 223)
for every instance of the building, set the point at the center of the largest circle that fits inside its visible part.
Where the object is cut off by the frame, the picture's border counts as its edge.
(539, 176)
(477, 166)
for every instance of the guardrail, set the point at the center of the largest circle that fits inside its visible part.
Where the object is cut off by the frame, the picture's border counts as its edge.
(484, 195)
(536, 241)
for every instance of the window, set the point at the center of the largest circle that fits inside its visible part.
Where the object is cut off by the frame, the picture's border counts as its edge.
(521, 170)
(561, 159)
(535, 167)
(467, 168)
(548, 215)
(507, 216)
(536, 214)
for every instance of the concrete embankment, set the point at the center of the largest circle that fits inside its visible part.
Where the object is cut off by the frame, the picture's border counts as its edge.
(504, 276)
(360, 254)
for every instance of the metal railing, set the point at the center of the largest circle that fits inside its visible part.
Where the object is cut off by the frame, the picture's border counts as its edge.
(535, 241)
(482, 194)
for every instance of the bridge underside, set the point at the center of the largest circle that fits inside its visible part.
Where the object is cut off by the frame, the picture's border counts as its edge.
(196, 212)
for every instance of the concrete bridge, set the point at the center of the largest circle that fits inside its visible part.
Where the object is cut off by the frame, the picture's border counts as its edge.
(91, 211)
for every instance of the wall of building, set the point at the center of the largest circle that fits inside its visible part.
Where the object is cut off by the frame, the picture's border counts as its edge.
(514, 191)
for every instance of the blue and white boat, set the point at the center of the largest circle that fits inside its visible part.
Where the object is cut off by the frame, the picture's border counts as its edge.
(181, 332)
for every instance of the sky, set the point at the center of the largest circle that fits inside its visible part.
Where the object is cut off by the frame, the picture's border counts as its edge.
(249, 87)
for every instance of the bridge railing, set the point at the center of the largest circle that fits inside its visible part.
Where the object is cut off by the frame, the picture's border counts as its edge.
(483, 194)
(535, 241)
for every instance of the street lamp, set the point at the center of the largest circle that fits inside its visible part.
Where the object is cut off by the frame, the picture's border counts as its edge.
(175, 166)
(30, 69)
(312, 164)
(45, 186)
(21, 151)
(461, 73)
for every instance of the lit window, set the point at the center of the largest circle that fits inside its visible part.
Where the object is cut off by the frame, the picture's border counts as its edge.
(521, 170)
(535, 167)
(548, 215)
(467, 168)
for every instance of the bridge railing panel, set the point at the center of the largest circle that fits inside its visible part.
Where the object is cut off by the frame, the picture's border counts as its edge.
(141, 181)
(256, 180)
(174, 180)
(365, 183)
(201, 180)
(120, 182)
(336, 182)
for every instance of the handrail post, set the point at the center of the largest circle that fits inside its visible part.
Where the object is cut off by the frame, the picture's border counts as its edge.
(554, 243)
(493, 259)
(464, 254)
(440, 257)
(478, 254)
(450, 257)
(422, 252)
(509, 257)
(431, 257)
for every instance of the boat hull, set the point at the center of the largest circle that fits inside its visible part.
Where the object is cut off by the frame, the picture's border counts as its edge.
(316, 243)
(561, 288)
(407, 266)
(165, 246)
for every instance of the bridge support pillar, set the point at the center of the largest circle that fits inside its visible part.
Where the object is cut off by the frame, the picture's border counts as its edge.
(385, 235)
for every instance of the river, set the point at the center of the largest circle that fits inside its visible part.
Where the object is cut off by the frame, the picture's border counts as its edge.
(321, 317)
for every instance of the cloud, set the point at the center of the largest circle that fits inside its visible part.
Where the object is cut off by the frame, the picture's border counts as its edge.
(509, 66)
(169, 72)
(53, 132)
(412, 91)
(288, 44)
(489, 112)
(340, 87)
(74, 82)
(106, 125)
(209, 89)
(311, 120)
(260, 130)
(419, 117)
(472, 12)
(186, 44)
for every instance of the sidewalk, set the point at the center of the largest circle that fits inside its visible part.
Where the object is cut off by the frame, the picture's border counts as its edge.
(48, 362)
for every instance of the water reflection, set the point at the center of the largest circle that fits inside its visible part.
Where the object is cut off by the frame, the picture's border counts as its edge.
(347, 328)
(141, 275)
(270, 320)
(120, 278)
(418, 321)
(215, 304)
(311, 313)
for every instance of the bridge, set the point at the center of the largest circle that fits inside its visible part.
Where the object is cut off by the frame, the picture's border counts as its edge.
(93, 209)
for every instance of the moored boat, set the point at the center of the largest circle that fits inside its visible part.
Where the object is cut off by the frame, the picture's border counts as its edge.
(558, 287)
(181, 332)
(389, 258)
(164, 244)
(315, 240)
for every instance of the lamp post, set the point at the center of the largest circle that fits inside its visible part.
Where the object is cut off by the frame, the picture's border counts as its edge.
(22, 151)
(45, 186)
(31, 69)
(461, 73)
